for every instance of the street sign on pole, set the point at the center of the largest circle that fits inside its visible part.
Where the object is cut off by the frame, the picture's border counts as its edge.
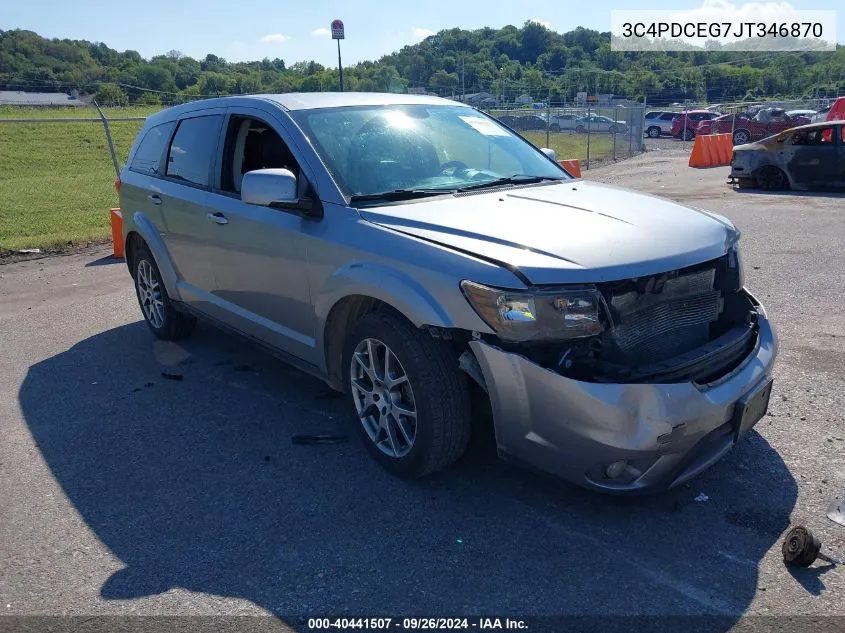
(338, 34)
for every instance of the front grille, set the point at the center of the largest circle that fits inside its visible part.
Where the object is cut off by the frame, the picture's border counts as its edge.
(653, 325)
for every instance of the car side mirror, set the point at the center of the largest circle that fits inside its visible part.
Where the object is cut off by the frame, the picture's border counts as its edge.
(550, 153)
(266, 186)
(276, 188)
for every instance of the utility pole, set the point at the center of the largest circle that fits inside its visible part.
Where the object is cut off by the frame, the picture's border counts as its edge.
(463, 78)
(338, 34)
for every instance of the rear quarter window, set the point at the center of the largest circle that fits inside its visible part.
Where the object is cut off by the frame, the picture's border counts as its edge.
(147, 158)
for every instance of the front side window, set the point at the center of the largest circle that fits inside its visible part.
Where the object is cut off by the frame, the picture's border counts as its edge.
(192, 150)
(147, 158)
(377, 149)
(668, 116)
(252, 144)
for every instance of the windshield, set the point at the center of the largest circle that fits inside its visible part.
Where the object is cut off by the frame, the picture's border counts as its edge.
(423, 148)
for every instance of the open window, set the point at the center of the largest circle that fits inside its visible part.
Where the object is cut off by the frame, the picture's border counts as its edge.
(252, 144)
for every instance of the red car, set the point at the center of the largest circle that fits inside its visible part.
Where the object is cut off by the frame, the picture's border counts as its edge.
(748, 127)
(684, 125)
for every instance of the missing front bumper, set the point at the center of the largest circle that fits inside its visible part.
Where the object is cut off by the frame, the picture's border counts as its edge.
(667, 433)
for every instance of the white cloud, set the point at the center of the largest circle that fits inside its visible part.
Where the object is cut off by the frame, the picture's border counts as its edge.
(274, 38)
(321, 32)
(545, 23)
(421, 34)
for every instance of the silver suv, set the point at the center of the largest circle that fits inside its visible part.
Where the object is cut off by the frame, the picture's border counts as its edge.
(411, 251)
(658, 122)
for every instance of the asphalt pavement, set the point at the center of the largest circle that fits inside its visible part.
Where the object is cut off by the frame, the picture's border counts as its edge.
(127, 493)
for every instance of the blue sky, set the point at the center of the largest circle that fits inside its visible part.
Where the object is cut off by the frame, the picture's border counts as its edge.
(299, 30)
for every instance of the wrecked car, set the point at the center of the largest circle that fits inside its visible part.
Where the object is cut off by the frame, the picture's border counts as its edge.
(747, 127)
(802, 158)
(415, 254)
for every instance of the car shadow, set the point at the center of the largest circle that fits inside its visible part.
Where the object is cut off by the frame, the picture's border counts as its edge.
(106, 261)
(195, 483)
(791, 193)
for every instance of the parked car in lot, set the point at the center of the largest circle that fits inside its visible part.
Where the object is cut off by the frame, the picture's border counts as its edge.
(599, 123)
(685, 123)
(765, 122)
(658, 122)
(802, 158)
(524, 123)
(531, 122)
(563, 122)
(411, 252)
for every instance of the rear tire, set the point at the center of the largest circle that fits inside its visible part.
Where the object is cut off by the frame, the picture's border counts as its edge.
(741, 137)
(580, 129)
(554, 127)
(687, 135)
(422, 377)
(165, 321)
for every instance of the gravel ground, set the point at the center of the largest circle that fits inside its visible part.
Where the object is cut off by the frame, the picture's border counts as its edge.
(127, 493)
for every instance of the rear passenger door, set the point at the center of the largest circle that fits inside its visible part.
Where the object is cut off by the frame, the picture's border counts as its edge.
(261, 274)
(182, 194)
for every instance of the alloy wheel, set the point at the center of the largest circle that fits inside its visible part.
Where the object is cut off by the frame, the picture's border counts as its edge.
(149, 292)
(384, 399)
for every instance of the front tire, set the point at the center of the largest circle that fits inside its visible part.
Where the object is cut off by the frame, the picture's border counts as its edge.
(771, 178)
(410, 399)
(653, 132)
(161, 317)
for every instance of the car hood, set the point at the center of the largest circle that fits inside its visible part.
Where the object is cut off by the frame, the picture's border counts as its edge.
(572, 232)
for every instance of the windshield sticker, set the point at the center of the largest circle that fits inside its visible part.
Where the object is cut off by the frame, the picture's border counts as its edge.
(485, 126)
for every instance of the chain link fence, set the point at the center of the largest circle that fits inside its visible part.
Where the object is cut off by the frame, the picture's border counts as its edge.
(588, 133)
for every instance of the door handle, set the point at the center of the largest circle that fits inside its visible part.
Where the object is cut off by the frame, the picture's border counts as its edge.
(217, 218)
(154, 198)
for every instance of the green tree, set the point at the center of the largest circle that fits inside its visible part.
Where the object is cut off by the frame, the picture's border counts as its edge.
(111, 95)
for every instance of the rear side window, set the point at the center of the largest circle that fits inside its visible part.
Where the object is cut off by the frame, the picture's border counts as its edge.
(668, 116)
(192, 150)
(148, 156)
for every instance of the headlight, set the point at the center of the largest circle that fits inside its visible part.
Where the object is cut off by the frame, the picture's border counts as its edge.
(735, 263)
(522, 315)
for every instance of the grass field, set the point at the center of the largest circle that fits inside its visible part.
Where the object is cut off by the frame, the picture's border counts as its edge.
(57, 179)
(570, 146)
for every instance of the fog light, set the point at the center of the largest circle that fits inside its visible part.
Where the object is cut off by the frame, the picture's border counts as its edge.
(615, 469)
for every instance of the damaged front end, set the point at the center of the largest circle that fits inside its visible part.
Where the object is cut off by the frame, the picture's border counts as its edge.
(643, 393)
(693, 324)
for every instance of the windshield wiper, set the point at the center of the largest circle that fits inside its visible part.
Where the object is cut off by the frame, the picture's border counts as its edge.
(399, 194)
(516, 179)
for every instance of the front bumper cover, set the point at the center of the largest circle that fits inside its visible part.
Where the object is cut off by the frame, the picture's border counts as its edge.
(574, 429)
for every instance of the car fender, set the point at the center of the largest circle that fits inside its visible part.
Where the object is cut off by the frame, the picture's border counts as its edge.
(142, 225)
(385, 283)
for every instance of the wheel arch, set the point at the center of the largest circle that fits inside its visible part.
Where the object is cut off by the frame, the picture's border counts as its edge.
(141, 231)
(359, 289)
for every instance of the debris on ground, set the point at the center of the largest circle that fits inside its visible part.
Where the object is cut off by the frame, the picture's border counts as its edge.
(836, 513)
(801, 548)
(702, 497)
(30, 251)
(318, 439)
(172, 374)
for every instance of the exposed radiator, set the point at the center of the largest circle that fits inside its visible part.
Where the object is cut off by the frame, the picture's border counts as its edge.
(652, 326)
